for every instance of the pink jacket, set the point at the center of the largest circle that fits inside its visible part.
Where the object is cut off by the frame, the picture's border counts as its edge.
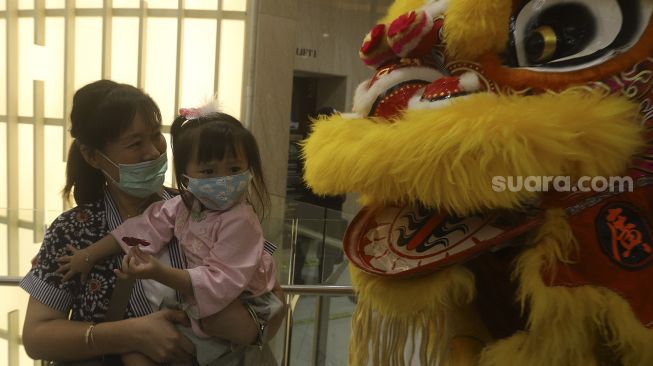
(224, 250)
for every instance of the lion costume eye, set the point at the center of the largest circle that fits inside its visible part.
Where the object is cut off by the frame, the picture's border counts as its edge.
(564, 35)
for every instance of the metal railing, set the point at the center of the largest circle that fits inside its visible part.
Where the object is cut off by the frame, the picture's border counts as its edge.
(320, 290)
(10, 280)
(292, 292)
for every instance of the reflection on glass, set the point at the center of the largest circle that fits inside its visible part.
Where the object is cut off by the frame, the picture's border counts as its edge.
(303, 332)
(339, 329)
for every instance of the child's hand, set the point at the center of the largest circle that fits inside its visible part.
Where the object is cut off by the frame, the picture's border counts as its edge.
(138, 264)
(78, 262)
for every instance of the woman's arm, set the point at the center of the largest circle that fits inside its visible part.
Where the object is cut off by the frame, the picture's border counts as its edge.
(154, 335)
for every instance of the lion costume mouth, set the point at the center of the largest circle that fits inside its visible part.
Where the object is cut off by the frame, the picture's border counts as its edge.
(445, 159)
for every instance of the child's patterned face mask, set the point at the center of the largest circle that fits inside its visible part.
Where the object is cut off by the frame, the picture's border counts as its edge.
(220, 193)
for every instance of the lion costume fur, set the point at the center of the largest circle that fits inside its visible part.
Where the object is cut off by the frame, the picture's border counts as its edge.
(573, 301)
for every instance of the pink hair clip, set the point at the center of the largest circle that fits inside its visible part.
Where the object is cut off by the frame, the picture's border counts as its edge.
(190, 113)
(195, 113)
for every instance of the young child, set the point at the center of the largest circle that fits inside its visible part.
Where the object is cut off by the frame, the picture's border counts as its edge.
(216, 161)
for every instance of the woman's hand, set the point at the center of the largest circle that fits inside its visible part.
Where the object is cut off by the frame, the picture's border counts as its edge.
(160, 340)
(138, 264)
(78, 262)
(154, 335)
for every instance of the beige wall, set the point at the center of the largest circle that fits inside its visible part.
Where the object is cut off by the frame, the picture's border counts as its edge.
(334, 30)
(275, 31)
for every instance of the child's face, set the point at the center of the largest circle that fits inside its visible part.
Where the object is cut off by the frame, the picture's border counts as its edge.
(230, 165)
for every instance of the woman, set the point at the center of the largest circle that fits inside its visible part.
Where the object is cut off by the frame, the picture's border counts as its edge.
(115, 169)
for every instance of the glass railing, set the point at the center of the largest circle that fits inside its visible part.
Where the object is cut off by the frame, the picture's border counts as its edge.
(310, 265)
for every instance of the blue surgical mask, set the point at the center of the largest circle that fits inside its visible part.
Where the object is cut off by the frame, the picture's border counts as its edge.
(220, 193)
(140, 179)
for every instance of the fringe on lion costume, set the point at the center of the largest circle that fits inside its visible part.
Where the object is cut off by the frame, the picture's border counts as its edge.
(452, 260)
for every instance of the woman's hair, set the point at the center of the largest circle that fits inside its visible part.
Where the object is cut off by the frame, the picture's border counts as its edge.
(101, 111)
(212, 136)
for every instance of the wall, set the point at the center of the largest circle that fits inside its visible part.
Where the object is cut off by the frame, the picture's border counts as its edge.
(272, 86)
(329, 34)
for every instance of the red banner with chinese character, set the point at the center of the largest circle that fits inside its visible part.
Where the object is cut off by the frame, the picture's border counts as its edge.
(615, 237)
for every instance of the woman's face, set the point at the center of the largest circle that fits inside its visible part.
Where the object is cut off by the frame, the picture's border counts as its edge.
(140, 142)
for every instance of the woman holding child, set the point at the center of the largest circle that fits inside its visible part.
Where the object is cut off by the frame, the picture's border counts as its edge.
(115, 170)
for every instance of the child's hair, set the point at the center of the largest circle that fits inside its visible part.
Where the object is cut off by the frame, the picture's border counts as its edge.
(212, 136)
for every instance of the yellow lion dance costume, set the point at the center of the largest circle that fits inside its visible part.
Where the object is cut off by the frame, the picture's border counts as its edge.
(452, 262)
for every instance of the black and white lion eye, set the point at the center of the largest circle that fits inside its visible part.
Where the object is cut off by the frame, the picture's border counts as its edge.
(564, 35)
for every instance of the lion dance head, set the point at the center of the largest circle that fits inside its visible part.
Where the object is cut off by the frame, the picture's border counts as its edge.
(503, 154)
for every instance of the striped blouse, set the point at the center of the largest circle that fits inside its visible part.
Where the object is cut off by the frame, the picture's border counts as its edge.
(81, 227)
